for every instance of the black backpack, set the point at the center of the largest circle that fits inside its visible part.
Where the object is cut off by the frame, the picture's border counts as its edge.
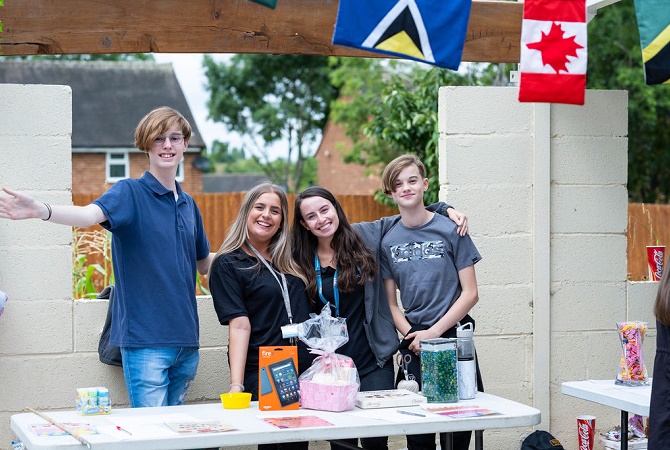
(107, 353)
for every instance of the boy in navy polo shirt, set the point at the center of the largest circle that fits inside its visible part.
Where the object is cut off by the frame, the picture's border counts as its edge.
(158, 244)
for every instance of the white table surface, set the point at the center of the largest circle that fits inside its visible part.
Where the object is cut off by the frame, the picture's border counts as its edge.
(626, 398)
(251, 430)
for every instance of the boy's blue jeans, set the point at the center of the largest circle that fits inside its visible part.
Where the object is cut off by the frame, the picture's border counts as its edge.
(159, 376)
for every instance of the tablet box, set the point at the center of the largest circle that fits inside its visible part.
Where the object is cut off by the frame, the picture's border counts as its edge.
(278, 378)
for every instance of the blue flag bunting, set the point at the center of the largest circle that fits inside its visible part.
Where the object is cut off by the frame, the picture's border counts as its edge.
(653, 21)
(429, 31)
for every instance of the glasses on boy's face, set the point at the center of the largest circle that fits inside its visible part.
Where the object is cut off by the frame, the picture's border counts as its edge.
(175, 139)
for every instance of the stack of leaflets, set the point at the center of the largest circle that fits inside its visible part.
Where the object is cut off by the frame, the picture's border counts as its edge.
(206, 426)
(388, 398)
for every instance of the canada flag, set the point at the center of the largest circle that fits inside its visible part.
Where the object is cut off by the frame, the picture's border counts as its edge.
(553, 52)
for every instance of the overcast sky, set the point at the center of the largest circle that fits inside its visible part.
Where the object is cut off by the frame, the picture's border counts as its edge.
(191, 76)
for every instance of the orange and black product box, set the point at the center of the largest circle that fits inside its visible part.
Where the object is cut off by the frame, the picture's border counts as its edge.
(278, 378)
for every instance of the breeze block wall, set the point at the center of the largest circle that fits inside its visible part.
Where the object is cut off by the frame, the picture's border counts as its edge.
(48, 341)
(547, 308)
(548, 305)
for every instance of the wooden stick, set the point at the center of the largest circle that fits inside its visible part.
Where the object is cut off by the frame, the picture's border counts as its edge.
(61, 426)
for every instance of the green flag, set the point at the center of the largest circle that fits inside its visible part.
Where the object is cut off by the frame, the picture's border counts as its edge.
(653, 21)
(268, 3)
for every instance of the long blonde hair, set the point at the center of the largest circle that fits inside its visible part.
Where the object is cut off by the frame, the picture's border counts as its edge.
(280, 245)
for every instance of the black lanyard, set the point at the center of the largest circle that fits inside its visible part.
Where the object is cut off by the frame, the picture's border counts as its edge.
(282, 286)
(319, 284)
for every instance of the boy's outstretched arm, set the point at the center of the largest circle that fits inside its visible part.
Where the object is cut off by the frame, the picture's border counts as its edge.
(19, 206)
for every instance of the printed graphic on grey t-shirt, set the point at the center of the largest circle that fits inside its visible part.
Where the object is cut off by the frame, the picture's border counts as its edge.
(415, 251)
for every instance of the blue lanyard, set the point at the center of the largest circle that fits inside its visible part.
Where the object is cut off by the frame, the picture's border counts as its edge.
(319, 284)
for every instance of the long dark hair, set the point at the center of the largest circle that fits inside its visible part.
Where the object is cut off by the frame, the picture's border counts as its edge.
(662, 303)
(355, 262)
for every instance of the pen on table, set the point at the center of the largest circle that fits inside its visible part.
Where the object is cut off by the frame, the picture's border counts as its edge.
(124, 430)
(411, 413)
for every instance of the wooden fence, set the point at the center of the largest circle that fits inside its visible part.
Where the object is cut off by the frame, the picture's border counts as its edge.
(220, 209)
(647, 225)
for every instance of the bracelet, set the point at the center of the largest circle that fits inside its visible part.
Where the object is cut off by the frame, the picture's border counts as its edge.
(48, 209)
(240, 385)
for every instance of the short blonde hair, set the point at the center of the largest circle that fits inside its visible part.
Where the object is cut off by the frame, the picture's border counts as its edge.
(158, 122)
(393, 169)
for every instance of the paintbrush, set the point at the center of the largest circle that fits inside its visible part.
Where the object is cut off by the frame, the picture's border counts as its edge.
(61, 426)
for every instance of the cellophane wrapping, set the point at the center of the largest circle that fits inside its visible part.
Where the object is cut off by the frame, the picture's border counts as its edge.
(632, 368)
(331, 383)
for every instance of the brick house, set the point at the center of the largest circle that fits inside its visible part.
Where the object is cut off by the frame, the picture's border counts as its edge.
(108, 100)
(337, 176)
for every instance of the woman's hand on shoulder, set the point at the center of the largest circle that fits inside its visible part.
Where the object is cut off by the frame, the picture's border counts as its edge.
(460, 219)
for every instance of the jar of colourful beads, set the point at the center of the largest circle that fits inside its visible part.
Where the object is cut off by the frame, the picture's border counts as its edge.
(439, 375)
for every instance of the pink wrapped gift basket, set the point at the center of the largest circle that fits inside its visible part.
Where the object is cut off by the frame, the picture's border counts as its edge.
(327, 397)
(332, 382)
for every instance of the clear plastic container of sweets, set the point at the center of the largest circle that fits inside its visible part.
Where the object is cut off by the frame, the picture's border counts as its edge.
(439, 372)
(632, 368)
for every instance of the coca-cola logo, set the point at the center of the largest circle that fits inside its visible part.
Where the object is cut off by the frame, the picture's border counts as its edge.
(658, 262)
(584, 436)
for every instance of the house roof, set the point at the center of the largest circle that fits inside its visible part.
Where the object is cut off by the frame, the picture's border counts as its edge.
(109, 98)
(230, 182)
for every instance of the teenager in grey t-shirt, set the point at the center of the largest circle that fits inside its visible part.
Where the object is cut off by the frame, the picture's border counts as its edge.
(424, 262)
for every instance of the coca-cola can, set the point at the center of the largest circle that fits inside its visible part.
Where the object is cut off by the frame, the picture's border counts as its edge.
(586, 426)
(655, 259)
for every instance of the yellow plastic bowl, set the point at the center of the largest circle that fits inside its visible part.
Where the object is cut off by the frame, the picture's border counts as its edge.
(236, 400)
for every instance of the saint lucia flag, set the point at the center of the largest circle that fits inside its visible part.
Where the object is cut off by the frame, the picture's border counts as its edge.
(653, 21)
(429, 31)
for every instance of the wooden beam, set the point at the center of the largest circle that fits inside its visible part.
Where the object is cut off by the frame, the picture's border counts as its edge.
(33, 27)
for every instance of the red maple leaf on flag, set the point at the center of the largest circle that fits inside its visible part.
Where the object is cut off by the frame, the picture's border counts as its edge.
(555, 48)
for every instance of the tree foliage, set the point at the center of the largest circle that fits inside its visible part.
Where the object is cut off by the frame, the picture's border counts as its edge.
(222, 153)
(389, 108)
(615, 62)
(273, 98)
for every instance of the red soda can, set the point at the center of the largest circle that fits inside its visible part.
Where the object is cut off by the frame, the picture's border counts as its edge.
(586, 426)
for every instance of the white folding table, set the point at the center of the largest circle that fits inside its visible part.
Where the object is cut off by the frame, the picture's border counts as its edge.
(634, 399)
(252, 430)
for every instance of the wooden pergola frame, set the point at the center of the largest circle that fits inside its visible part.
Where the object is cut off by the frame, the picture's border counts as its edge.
(47, 27)
(50, 27)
